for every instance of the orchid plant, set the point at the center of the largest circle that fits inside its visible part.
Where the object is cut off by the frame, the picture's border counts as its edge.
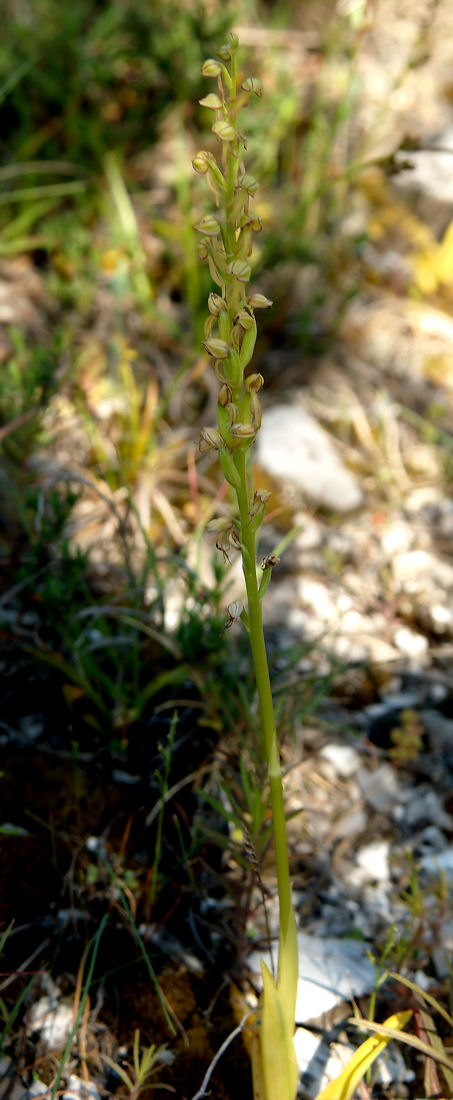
(226, 243)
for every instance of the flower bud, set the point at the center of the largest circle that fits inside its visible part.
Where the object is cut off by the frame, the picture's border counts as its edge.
(225, 52)
(211, 67)
(222, 523)
(254, 382)
(261, 496)
(241, 270)
(200, 163)
(224, 130)
(252, 84)
(258, 301)
(215, 304)
(245, 319)
(249, 184)
(255, 224)
(210, 440)
(234, 40)
(244, 431)
(208, 225)
(203, 250)
(217, 348)
(270, 562)
(234, 612)
(224, 396)
(212, 101)
(260, 499)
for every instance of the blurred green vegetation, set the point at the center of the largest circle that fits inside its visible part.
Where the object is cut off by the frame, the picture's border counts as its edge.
(78, 80)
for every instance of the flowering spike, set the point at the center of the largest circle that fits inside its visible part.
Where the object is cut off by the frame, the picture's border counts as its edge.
(232, 323)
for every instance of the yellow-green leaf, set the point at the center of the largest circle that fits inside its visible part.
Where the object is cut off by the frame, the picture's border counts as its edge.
(278, 1056)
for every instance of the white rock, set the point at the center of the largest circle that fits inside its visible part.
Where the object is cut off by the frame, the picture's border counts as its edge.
(52, 1021)
(317, 596)
(353, 822)
(311, 535)
(36, 1089)
(372, 863)
(381, 789)
(344, 759)
(423, 980)
(77, 1089)
(441, 618)
(292, 446)
(411, 643)
(392, 1069)
(418, 568)
(398, 537)
(318, 1062)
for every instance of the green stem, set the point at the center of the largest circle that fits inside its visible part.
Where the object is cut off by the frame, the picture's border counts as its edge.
(266, 706)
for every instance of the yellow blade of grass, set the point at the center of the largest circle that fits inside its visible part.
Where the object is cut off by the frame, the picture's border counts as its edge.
(383, 1030)
(278, 1056)
(345, 1084)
